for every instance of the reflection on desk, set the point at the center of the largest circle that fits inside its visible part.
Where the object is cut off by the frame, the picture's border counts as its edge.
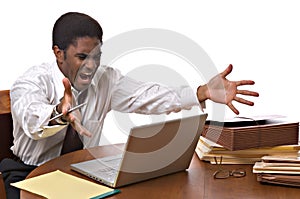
(196, 182)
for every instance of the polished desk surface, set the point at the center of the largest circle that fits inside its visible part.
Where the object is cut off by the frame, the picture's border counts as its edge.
(196, 182)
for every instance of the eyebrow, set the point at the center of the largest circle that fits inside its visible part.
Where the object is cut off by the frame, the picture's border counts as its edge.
(87, 54)
(80, 54)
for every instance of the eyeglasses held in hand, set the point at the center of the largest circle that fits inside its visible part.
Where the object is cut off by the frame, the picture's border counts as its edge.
(223, 173)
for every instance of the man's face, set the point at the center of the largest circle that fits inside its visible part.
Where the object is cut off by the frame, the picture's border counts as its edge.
(81, 62)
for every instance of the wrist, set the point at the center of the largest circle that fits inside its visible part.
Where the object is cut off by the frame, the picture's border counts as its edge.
(202, 93)
(58, 120)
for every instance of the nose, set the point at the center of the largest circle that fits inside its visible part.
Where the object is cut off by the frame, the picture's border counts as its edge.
(90, 65)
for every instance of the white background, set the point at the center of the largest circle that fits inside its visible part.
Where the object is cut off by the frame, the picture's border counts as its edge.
(261, 38)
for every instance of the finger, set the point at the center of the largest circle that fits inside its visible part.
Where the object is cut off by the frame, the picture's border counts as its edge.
(80, 129)
(247, 92)
(85, 132)
(67, 99)
(227, 71)
(244, 82)
(243, 101)
(230, 105)
(67, 86)
(71, 118)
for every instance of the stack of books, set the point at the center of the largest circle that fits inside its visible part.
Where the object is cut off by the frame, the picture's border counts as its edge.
(280, 169)
(208, 150)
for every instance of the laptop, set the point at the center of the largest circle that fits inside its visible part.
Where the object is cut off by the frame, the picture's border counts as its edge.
(151, 151)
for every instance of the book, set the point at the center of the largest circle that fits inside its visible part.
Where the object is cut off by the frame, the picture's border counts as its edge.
(246, 134)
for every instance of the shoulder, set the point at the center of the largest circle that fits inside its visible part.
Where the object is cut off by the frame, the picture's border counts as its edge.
(106, 76)
(41, 70)
(107, 72)
(35, 76)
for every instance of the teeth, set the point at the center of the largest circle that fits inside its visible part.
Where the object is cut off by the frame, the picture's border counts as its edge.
(87, 74)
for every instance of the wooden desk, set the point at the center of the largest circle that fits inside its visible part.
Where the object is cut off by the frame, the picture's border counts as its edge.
(197, 182)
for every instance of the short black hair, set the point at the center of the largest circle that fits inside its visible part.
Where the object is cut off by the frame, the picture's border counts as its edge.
(73, 25)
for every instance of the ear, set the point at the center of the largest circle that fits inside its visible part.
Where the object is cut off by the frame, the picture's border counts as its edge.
(59, 54)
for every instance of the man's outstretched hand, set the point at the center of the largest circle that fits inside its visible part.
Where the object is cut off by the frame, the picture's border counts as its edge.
(221, 90)
(74, 117)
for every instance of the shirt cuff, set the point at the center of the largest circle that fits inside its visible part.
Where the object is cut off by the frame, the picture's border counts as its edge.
(189, 99)
(47, 131)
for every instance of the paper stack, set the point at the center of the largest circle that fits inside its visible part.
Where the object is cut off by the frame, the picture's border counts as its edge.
(254, 132)
(207, 150)
(61, 185)
(283, 170)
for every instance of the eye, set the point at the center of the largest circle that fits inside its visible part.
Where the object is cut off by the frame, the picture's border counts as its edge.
(97, 57)
(81, 56)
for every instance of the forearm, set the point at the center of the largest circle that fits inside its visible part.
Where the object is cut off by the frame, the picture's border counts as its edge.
(36, 123)
(31, 110)
(151, 98)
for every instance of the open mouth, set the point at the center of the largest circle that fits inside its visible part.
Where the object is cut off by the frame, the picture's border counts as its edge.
(86, 76)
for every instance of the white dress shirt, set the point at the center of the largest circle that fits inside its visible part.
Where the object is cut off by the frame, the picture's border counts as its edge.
(34, 95)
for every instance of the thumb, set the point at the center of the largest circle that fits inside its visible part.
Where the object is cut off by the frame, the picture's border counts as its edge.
(227, 71)
(68, 98)
(67, 86)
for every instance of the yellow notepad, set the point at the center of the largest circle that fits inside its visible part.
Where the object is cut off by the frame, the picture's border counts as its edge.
(60, 185)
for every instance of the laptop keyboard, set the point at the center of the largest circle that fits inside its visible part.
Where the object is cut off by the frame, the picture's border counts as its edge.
(109, 167)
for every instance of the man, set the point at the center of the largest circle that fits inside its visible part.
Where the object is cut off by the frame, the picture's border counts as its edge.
(47, 90)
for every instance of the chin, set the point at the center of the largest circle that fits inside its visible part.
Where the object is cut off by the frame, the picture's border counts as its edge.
(81, 87)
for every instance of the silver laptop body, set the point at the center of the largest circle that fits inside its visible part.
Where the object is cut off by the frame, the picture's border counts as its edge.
(151, 151)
